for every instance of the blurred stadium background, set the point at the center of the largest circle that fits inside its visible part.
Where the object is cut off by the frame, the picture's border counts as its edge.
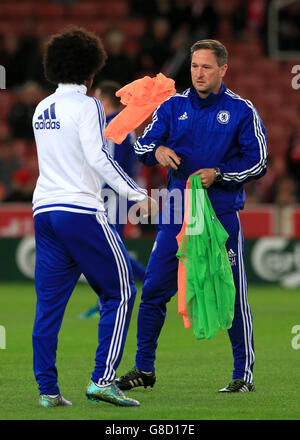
(144, 38)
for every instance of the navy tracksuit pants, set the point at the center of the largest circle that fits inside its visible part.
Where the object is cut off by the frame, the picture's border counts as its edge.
(160, 284)
(68, 244)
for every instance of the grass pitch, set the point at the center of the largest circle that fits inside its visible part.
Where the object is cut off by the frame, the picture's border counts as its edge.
(189, 372)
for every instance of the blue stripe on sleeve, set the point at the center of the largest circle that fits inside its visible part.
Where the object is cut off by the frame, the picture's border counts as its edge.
(116, 166)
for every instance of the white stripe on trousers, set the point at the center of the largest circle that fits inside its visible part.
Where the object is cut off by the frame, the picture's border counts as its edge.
(116, 340)
(245, 311)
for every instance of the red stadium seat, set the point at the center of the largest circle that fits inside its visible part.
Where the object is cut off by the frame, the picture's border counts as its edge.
(110, 9)
(84, 10)
(271, 100)
(4, 130)
(250, 52)
(279, 82)
(48, 27)
(278, 136)
(265, 67)
(113, 9)
(250, 84)
(7, 99)
(45, 28)
(286, 116)
(133, 27)
(17, 10)
(49, 10)
(237, 65)
(292, 97)
(7, 26)
(225, 8)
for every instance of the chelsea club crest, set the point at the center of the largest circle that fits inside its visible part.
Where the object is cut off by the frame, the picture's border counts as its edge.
(223, 117)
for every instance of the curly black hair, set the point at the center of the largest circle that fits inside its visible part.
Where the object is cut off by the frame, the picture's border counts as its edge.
(73, 56)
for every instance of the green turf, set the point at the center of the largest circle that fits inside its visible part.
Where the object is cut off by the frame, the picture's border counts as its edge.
(189, 372)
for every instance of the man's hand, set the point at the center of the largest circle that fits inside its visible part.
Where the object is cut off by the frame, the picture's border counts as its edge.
(167, 157)
(149, 207)
(207, 176)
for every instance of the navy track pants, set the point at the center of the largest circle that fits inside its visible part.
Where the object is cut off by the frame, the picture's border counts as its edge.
(68, 244)
(160, 285)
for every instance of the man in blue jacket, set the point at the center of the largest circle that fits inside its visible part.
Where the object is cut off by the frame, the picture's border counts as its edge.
(213, 131)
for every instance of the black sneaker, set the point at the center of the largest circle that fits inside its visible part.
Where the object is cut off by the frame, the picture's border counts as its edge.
(136, 378)
(238, 386)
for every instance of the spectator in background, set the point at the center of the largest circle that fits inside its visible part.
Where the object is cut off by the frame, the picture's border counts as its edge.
(120, 67)
(29, 40)
(253, 194)
(22, 57)
(256, 15)
(264, 187)
(204, 20)
(34, 67)
(148, 10)
(141, 8)
(9, 163)
(177, 17)
(177, 65)
(176, 12)
(200, 20)
(11, 59)
(20, 115)
(189, 21)
(22, 186)
(155, 47)
(239, 20)
(165, 9)
(285, 192)
(289, 27)
(249, 19)
(182, 14)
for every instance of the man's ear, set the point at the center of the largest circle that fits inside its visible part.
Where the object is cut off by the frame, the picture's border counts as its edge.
(224, 70)
(97, 94)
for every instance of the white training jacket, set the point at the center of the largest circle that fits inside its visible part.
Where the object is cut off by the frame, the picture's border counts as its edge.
(73, 159)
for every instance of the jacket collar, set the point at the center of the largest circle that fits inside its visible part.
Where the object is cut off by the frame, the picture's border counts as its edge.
(65, 88)
(211, 99)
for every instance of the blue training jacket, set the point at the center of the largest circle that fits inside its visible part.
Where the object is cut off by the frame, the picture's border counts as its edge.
(222, 130)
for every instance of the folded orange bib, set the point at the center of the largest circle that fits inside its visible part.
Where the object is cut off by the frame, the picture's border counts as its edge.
(141, 97)
(181, 274)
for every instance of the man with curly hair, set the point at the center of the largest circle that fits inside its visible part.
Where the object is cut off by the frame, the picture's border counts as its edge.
(73, 235)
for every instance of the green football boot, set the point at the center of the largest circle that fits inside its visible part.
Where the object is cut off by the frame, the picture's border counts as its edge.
(110, 393)
(49, 402)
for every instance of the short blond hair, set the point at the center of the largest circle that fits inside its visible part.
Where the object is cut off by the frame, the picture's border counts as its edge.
(218, 48)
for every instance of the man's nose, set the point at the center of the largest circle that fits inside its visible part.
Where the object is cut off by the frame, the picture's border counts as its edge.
(200, 72)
